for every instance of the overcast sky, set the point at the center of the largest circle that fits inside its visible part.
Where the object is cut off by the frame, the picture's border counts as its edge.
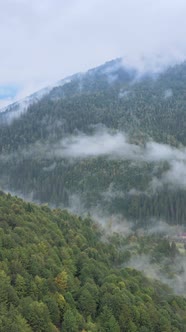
(43, 41)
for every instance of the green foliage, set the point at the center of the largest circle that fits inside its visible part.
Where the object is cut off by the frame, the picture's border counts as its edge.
(56, 274)
(27, 144)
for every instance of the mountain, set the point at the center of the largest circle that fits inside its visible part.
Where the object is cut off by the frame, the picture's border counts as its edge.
(13, 111)
(93, 80)
(107, 142)
(59, 272)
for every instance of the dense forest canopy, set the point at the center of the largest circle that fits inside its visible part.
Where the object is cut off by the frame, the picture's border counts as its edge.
(108, 106)
(110, 144)
(59, 272)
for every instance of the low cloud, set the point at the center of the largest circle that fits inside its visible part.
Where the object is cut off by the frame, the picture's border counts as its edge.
(175, 176)
(175, 278)
(50, 168)
(78, 25)
(102, 143)
(162, 228)
(115, 146)
(168, 93)
(124, 93)
(112, 193)
(170, 271)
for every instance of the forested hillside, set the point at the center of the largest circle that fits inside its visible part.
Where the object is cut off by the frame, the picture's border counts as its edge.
(94, 110)
(59, 272)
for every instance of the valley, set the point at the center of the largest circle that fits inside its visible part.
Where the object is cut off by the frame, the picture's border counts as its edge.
(97, 241)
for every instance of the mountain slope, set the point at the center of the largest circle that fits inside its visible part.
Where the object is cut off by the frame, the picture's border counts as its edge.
(57, 274)
(105, 141)
(13, 111)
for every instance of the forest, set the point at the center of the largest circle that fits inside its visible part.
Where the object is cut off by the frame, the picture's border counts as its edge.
(61, 272)
(108, 99)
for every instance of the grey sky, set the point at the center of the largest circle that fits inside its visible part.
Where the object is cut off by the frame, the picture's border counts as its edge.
(44, 41)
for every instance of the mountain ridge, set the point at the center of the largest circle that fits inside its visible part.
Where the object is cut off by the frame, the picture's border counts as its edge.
(111, 124)
(106, 69)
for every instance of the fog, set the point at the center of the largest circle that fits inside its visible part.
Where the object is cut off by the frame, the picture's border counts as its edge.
(117, 145)
(175, 176)
(168, 93)
(174, 278)
(113, 145)
(52, 39)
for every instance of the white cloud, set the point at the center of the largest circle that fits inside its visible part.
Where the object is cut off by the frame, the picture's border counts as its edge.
(175, 176)
(117, 145)
(99, 144)
(168, 93)
(177, 280)
(43, 41)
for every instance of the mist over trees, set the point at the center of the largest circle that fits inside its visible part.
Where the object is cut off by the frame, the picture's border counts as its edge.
(113, 141)
(110, 145)
(58, 273)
